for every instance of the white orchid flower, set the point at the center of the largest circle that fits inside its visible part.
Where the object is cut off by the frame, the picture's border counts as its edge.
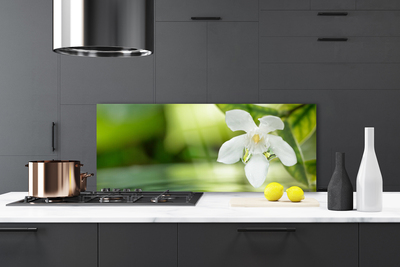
(256, 147)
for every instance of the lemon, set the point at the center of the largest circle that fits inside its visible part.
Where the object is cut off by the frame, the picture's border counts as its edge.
(273, 191)
(295, 194)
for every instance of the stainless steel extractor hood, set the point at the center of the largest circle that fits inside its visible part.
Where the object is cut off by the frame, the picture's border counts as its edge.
(103, 28)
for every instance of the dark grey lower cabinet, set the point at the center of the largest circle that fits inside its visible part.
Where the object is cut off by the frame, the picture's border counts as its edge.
(199, 244)
(379, 244)
(144, 245)
(267, 245)
(48, 245)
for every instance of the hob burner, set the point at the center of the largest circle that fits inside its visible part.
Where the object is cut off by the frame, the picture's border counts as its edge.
(110, 199)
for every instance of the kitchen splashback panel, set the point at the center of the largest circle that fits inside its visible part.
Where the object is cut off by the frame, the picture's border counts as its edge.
(196, 147)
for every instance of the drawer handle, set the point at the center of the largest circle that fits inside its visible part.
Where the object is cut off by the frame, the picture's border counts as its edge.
(206, 18)
(332, 39)
(266, 229)
(18, 229)
(333, 13)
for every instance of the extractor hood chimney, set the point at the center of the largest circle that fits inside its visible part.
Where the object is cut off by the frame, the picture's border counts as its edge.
(103, 28)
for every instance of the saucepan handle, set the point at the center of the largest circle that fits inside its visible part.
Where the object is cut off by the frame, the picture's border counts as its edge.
(84, 176)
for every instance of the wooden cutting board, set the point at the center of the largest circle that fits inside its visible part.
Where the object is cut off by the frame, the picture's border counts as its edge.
(263, 202)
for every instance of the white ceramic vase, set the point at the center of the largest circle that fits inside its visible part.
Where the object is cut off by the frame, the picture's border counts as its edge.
(369, 177)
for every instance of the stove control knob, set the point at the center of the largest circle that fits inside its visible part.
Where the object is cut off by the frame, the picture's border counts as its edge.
(126, 190)
(117, 190)
(105, 190)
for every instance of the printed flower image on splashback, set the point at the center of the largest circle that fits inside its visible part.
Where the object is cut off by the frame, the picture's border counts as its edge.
(206, 147)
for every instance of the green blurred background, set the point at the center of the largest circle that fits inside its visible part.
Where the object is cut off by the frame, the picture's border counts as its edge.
(175, 147)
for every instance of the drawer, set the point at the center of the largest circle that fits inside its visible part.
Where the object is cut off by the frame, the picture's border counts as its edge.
(309, 49)
(284, 4)
(48, 245)
(378, 4)
(256, 245)
(137, 244)
(227, 10)
(307, 4)
(333, 4)
(329, 76)
(309, 23)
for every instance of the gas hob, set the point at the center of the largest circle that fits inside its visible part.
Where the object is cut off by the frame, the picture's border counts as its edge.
(119, 197)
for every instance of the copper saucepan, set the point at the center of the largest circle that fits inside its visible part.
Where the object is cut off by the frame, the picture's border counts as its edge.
(56, 178)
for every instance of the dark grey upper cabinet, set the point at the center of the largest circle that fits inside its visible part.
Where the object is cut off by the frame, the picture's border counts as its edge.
(307, 50)
(232, 61)
(28, 78)
(202, 61)
(181, 62)
(309, 23)
(106, 80)
(227, 10)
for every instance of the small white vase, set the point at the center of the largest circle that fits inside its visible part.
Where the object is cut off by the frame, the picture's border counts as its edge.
(369, 177)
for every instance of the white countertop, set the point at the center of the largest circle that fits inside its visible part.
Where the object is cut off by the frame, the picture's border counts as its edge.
(211, 208)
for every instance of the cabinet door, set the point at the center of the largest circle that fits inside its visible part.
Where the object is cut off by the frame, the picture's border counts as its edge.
(106, 80)
(181, 67)
(28, 78)
(267, 245)
(232, 60)
(48, 245)
(145, 245)
(379, 244)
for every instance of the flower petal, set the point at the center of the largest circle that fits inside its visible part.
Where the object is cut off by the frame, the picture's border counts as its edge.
(256, 170)
(232, 150)
(237, 119)
(282, 150)
(270, 124)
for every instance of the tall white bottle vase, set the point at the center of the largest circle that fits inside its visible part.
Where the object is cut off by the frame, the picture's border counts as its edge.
(369, 177)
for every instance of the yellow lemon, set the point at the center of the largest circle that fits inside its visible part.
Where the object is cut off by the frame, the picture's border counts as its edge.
(273, 191)
(295, 194)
